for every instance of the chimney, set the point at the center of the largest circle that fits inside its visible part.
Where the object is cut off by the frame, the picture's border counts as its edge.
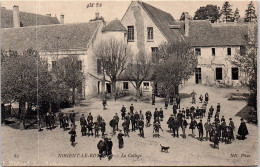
(48, 15)
(16, 17)
(97, 15)
(187, 26)
(62, 19)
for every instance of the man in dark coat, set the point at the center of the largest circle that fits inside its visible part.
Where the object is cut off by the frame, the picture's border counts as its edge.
(211, 110)
(104, 102)
(242, 130)
(166, 103)
(48, 120)
(120, 140)
(218, 107)
(90, 128)
(90, 118)
(170, 122)
(141, 127)
(82, 120)
(148, 116)
(96, 128)
(132, 119)
(116, 118)
(136, 117)
(72, 117)
(101, 147)
(200, 128)
(207, 127)
(183, 126)
(132, 108)
(178, 101)
(192, 111)
(103, 127)
(109, 147)
(123, 111)
(125, 127)
(65, 121)
(187, 112)
(73, 136)
(60, 115)
(161, 114)
(175, 126)
(155, 115)
(232, 125)
(174, 109)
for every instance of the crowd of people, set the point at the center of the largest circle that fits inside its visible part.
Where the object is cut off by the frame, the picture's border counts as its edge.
(216, 129)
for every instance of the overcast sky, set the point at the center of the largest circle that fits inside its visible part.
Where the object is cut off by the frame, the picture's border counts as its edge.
(77, 11)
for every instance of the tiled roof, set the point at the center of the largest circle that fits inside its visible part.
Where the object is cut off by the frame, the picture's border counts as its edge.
(114, 25)
(203, 33)
(26, 19)
(126, 76)
(49, 37)
(162, 20)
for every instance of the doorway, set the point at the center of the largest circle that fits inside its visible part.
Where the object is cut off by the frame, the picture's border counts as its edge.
(108, 86)
(198, 75)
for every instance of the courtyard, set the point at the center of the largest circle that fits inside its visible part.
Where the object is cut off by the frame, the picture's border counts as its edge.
(30, 147)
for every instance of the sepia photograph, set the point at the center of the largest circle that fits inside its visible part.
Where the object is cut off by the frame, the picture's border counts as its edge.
(129, 83)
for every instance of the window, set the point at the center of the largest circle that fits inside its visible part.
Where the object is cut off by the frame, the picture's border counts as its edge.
(146, 86)
(234, 73)
(53, 64)
(125, 85)
(197, 52)
(155, 56)
(150, 33)
(99, 66)
(229, 51)
(218, 73)
(130, 34)
(213, 51)
(79, 65)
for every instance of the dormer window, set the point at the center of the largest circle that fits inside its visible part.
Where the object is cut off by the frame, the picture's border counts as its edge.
(149, 33)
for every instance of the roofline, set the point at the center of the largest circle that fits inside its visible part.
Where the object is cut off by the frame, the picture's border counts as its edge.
(49, 25)
(126, 11)
(214, 46)
(94, 34)
(114, 30)
(154, 21)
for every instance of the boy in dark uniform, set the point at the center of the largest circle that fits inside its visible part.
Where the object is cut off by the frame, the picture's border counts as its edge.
(96, 128)
(82, 120)
(187, 112)
(90, 128)
(65, 121)
(101, 147)
(161, 114)
(141, 128)
(116, 118)
(218, 107)
(90, 118)
(120, 140)
(83, 130)
(132, 119)
(123, 111)
(174, 109)
(125, 127)
(200, 128)
(175, 127)
(211, 110)
(73, 136)
(166, 103)
(148, 116)
(132, 108)
(103, 127)
(170, 122)
(60, 115)
(72, 116)
(136, 117)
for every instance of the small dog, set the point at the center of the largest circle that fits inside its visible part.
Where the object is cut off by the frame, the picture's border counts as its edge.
(164, 149)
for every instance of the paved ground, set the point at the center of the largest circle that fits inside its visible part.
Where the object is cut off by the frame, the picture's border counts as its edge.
(28, 147)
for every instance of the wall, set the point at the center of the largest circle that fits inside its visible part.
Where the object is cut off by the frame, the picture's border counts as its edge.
(137, 17)
(209, 63)
(131, 88)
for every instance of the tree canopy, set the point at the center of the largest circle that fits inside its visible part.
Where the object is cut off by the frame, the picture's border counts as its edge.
(210, 12)
(250, 15)
(226, 12)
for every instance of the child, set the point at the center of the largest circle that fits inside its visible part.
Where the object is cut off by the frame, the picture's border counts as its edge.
(73, 136)
(216, 141)
(201, 98)
(83, 130)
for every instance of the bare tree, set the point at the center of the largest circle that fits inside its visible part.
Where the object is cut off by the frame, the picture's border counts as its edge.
(138, 71)
(114, 55)
(177, 64)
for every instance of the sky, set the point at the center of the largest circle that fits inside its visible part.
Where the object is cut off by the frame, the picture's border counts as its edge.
(77, 11)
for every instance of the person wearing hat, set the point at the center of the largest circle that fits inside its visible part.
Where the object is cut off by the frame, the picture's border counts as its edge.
(72, 116)
(123, 111)
(148, 116)
(206, 98)
(136, 117)
(125, 127)
(232, 125)
(183, 112)
(96, 128)
(174, 109)
(73, 135)
(109, 147)
(90, 118)
(187, 112)
(90, 128)
(222, 119)
(178, 101)
(141, 127)
(200, 128)
(103, 127)
(82, 120)
(155, 114)
(156, 129)
(207, 127)
(132, 108)
(193, 97)
(170, 122)
(65, 121)
(192, 111)
(242, 130)
(183, 126)
(116, 118)
(161, 114)
(101, 147)
(166, 103)
(141, 115)
(218, 107)
(211, 110)
(120, 140)
(193, 124)
(132, 119)
(104, 102)
(175, 125)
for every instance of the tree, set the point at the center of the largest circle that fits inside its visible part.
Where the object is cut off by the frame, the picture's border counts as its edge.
(114, 55)
(250, 15)
(25, 79)
(236, 15)
(210, 12)
(226, 12)
(138, 71)
(246, 60)
(68, 75)
(177, 64)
